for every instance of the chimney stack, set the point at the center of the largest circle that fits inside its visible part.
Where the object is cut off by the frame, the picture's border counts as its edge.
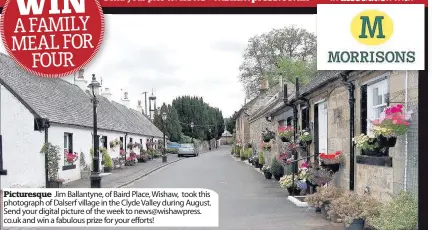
(125, 99)
(139, 107)
(80, 81)
(264, 85)
(107, 94)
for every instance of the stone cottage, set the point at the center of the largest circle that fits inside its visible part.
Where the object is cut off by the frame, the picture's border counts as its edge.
(338, 105)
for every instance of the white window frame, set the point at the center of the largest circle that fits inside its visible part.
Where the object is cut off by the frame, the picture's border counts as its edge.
(383, 89)
(66, 143)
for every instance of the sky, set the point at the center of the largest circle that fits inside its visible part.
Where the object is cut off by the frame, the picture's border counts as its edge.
(176, 55)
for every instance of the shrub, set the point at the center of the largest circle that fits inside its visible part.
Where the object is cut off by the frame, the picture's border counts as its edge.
(276, 167)
(249, 153)
(261, 159)
(401, 213)
(107, 160)
(351, 206)
(324, 195)
(172, 150)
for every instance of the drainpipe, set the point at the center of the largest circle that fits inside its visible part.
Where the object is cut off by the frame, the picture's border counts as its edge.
(351, 102)
(294, 107)
(406, 136)
(46, 157)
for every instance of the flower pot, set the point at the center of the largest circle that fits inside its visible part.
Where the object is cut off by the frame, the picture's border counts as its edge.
(285, 139)
(318, 210)
(257, 165)
(266, 139)
(331, 167)
(85, 174)
(268, 175)
(164, 159)
(391, 142)
(277, 177)
(357, 224)
(260, 166)
(309, 142)
(54, 184)
(373, 152)
(107, 169)
(324, 212)
(292, 191)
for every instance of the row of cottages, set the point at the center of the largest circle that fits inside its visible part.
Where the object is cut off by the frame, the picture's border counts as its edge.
(338, 105)
(37, 110)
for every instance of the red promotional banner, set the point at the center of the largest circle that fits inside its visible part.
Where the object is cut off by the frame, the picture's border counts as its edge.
(242, 3)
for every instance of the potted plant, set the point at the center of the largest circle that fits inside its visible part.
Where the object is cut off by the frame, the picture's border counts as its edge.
(267, 135)
(400, 213)
(53, 155)
(276, 169)
(285, 133)
(331, 161)
(319, 177)
(321, 200)
(302, 180)
(261, 159)
(266, 170)
(85, 168)
(254, 161)
(265, 146)
(289, 184)
(305, 137)
(355, 209)
(107, 162)
(242, 155)
(369, 145)
(393, 122)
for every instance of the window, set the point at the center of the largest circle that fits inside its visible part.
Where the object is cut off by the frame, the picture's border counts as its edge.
(289, 121)
(68, 147)
(141, 141)
(121, 142)
(130, 139)
(377, 101)
(282, 123)
(105, 142)
(305, 118)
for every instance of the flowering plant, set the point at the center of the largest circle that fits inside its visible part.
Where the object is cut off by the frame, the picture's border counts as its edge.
(266, 168)
(267, 135)
(238, 143)
(304, 165)
(285, 131)
(287, 182)
(303, 174)
(71, 157)
(132, 156)
(365, 142)
(305, 136)
(266, 146)
(285, 158)
(393, 121)
(122, 152)
(331, 158)
(301, 184)
(320, 177)
(324, 195)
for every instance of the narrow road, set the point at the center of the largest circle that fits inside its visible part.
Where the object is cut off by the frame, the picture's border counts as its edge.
(246, 199)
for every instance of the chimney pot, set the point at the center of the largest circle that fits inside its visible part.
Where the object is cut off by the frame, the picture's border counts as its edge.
(81, 74)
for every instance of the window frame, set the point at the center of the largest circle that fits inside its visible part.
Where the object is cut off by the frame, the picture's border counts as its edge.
(68, 146)
(383, 84)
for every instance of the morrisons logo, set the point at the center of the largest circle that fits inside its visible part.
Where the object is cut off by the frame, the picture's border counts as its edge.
(371, 28)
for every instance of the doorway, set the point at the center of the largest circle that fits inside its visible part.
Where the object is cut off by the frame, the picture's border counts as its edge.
(322, 127)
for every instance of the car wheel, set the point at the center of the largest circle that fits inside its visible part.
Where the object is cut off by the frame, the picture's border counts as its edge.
(178, 155)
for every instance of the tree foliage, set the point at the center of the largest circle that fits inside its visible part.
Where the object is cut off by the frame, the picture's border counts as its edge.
(173, 127)
(289, 50)
(204, 117)
(230, 123)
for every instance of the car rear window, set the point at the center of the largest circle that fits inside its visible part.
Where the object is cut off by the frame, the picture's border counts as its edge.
(187, 146)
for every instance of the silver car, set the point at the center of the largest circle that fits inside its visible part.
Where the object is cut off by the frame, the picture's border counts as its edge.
(187, 150)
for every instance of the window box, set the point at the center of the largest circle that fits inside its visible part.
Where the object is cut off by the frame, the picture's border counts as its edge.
(68, 167)
(375, 160)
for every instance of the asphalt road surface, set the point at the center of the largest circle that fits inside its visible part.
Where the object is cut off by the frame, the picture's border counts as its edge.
(247, 201)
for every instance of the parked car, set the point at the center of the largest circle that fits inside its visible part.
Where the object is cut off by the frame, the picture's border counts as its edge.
(187, 150)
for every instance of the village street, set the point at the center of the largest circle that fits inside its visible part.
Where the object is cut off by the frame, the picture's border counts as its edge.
(246, 199)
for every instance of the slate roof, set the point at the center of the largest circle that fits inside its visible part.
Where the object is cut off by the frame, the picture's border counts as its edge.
(64, 103)
(323, 77)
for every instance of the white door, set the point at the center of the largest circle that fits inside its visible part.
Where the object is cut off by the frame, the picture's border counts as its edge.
(322, 127)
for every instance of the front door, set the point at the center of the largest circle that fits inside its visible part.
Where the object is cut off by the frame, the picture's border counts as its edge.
(322, 127)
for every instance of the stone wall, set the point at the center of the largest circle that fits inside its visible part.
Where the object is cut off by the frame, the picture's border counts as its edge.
(382, 181)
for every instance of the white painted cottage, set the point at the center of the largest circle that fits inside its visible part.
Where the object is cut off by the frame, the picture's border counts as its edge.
(35, 110)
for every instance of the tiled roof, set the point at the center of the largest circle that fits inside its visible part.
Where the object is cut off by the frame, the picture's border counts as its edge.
(64, 103)
(323, 77)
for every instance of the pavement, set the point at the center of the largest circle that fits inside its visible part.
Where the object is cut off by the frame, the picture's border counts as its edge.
(247, 201)
(121, 177)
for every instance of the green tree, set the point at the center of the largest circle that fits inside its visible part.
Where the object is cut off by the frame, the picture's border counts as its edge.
(267, 53)
(173, 126)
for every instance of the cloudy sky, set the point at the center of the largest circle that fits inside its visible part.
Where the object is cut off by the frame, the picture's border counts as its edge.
(181, 55)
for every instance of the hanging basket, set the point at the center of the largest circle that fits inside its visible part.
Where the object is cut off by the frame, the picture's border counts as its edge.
(331, 167)
(266, 139)
(285, 139)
